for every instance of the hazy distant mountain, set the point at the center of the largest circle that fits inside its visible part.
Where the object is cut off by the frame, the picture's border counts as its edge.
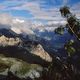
(26, 50)
(43, 34)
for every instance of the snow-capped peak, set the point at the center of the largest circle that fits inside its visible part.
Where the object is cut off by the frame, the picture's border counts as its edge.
(18, 20)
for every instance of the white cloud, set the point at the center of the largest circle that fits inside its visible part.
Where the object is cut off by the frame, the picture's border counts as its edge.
(5, 18)
(52, 15)
(27, 27)
(57, 22)
(17, 25)
(76, 9)
(18, 20)
(35, 9)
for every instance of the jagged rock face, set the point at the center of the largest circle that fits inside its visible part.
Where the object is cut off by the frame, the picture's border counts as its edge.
(39, 51)
(4, 41)
(29, 51)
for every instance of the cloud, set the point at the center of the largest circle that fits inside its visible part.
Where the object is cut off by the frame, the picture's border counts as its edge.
(5, 19)
(39, 13)
(41, 10)
(75, 10)
(27, 27)
(17, 25)
(2, 7)
(35, 7)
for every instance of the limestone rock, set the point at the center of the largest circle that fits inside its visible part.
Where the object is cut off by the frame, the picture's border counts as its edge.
(39, 51)
(4, 41)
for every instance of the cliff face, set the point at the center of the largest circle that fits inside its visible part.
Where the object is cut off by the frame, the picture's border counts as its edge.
(39, 51)
(28, 51)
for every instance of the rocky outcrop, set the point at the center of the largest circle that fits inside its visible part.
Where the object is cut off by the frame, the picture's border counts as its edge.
(39, 51)
(5, 41)
(15, 69)
(29, 51)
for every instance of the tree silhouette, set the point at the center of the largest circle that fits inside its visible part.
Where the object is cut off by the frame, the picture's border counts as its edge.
(66, 70)
(73, 22)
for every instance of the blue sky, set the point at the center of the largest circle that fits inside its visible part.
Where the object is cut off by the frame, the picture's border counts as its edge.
(43, 10)
(29, 16)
